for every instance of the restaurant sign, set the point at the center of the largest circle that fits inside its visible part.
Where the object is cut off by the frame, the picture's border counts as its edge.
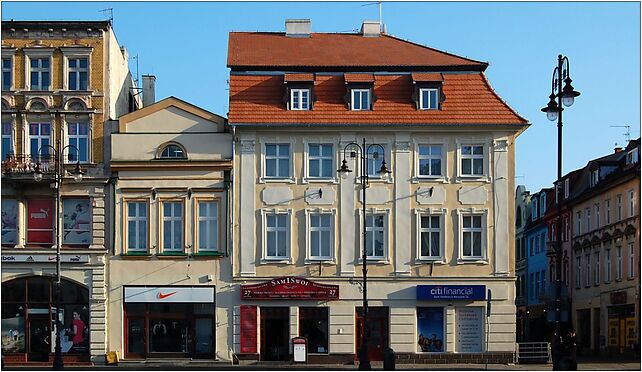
(451, 292)
(289, 287)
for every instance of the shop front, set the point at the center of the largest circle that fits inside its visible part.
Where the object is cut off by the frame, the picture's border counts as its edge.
(169, 322)
(621, 324)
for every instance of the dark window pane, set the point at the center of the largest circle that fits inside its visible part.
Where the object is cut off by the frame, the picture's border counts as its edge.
(39, 289)
(13, 327)
(73, 293)
(136, 335)
(14, 291)
(314, 327)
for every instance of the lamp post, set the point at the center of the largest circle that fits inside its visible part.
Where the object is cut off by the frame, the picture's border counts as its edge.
(364, 359)
(58, 175)
(559, 96)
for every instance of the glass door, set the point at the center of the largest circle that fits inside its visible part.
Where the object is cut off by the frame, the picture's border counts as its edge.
(136, 338)
(170, 336)
(203, 338)
(39, 338)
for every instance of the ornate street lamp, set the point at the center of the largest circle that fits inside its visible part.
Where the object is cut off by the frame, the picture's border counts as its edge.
(565, 96)
(58, 175)
(364, 359)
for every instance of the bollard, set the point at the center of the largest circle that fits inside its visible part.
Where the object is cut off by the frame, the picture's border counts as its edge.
(388, 359)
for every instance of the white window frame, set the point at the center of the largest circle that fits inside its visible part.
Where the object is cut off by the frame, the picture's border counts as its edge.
(76, 53)
(309, 213)
(596, 274)
(68, 138)
(138, 220)
(39, 136)
(430, 157)
(607, 264)
(435, 212)
(361, 91)
(288, 229)
(297, 104)
(632, 156)
(631, 203)
(417, 177)
(534, 209)
(618, 267)
(11, 136)
(37, 53)
(475, 141)
(387, 155)
(277, 141)
(386, 235)
(208, 218)
(172, 219)
(631, 270)
(595, 177)
(8, 56)
(461, 213)
(320, 158)
(422, 92)
(542, 205)
(472, 157)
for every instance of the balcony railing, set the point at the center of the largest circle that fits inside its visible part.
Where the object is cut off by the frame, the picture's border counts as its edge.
(26, 164)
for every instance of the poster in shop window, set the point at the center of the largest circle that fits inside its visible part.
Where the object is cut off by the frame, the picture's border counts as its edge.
(430, 329)
(9, 221)
(77, 221)
(40, 221)
(470, 323)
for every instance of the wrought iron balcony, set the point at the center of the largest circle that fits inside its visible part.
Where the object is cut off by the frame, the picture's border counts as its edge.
(16, 165)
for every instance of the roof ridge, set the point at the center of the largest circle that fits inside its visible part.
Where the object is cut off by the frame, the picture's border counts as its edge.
(500, 98)
(435, 49)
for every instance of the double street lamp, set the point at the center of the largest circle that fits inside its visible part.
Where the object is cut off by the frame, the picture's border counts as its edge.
(58, 176)
(560, 96)
(364, 153)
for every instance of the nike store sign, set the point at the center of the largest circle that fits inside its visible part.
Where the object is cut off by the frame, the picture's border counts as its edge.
(170, 294)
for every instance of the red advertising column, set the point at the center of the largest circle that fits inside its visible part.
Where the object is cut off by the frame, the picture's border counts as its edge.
(248, 329)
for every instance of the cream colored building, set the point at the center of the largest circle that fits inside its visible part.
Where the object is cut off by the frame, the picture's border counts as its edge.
(168, 295)
(62, 80)
(433, 229)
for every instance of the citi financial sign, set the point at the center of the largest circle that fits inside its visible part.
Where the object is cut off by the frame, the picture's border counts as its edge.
(451, 292)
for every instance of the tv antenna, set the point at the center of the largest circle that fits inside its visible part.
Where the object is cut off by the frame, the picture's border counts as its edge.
(110, 11)
(627, 134)
(381, 28)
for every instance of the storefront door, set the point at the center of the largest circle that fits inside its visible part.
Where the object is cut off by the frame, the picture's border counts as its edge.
(169, 335)
(275, 332)
(377, 328)
(39, 338)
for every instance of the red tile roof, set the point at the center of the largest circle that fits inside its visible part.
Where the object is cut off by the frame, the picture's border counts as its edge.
(299, 77)
(257, 99)
(271, 49)
(359, 78)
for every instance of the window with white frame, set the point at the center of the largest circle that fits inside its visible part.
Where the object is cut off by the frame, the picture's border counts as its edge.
(588, 269)
(299, 99)
(579, 222)
(39, 138)
(375, 160)
(40, 73)
(277, 234)
(277, 160)
(430, 160)
(618, 207)
(137, 226)
(595, 177)
(472, 233)
(566, 187)
(631, 271)
(429, 99)
(321, 237)
(7, 73)
(472, 160)
(607, 264)
(632, 156)
(173, 226)
(375, 236)
(607, 207)
(7, 140)
(77, 73)
(542, 205)
(320, 160)
(172, 151)
(534, 209)
(207, 226)
(596, 274)
(631, 203)
(578, 270)
(78, 137)
(587, 213)
(360, 99)
(618, 264)
(430, 237)
(597, 215)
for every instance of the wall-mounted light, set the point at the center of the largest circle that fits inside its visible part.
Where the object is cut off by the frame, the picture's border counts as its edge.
(320, 193)
(189, 193)
(432, 188)
(153, 194)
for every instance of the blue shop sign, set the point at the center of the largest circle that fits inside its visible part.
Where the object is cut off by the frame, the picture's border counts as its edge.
(451, 292)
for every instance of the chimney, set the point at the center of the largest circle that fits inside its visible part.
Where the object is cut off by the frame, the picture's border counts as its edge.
(297, 27)
(617, 149)
(149, 90)
(371, 28)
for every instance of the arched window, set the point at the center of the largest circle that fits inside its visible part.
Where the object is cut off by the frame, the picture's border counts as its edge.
(172, 151)
(38, 106)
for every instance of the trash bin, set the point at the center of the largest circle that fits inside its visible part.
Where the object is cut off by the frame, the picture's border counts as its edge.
(389, 359)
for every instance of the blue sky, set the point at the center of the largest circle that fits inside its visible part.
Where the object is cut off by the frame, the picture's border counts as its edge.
(185, 45)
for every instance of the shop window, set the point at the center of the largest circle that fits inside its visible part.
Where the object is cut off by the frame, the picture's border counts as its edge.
(430, 329)
(13, 326)
(313, 325)
(204, 309)
(40, 221)
(207, 226)
(14, 291)
(77, 221)
(9, 221)
(470, 329)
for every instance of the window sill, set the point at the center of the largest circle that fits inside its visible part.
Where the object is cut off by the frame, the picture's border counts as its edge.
(208, 254)
(422, 261)
(321, 180)
(135, 255)
(378, 261)
(472, 261)
(276, 180)
(316, 261)
(267, 261)
(482, 178)
(420, 179)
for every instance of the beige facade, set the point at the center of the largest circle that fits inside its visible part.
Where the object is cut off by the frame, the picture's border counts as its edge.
(171, 247)
(64, 80)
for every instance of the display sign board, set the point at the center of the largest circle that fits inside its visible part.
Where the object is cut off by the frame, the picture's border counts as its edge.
(451, 292)
(299, 350)
(9, 221)
(67, 258)
(170, 294)
(40, 215)
(248, 329)
(470, 323)
(290, 287)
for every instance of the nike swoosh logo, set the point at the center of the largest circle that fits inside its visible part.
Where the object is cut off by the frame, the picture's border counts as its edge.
(162, 295)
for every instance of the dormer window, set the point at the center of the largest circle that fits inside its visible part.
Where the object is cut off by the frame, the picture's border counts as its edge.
(632, 156)
(534, 210)
(429, 99)
(595, 177)
(299, 99)
(172, 151)
(360, 99)
(542, 204)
